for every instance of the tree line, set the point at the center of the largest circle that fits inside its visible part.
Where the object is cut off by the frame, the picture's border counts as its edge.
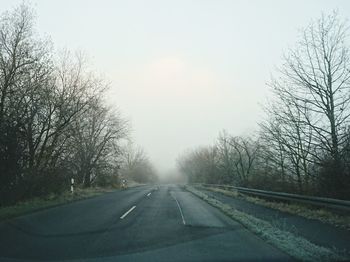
(303, 144)
(54, 121)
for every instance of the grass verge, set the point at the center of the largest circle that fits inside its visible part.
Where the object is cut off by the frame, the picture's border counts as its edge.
(51, 200)
(321, 214)
(296, 246)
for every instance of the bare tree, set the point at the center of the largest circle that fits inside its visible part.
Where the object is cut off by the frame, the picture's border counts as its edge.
(96, 138)
(200, 165)
(24, 68)
(245, 152)
(225, 158)
(136, 165)
(288, 143)
(317, 76)
(42, 97)
(314, 84)
(53, 106)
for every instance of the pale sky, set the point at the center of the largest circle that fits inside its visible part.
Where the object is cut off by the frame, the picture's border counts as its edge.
(182, 71)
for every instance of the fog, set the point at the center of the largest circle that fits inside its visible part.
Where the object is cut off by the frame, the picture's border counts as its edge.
(182, 71)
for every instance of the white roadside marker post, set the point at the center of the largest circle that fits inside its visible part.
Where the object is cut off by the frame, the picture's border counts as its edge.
(72, 185)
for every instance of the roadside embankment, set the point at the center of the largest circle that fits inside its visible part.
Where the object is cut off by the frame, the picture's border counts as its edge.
(290, 242)
(51, 200)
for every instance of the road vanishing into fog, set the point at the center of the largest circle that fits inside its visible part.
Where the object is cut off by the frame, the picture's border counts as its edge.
(146, 223)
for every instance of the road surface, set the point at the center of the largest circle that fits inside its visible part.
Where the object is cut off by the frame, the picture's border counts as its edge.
(148, 223)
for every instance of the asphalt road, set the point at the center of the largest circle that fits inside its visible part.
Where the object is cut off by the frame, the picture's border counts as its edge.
(148, 223)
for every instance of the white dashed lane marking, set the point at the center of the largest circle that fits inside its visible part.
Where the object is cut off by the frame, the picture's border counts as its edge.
(127, 212)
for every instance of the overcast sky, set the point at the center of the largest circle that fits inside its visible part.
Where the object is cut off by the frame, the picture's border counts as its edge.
(182, 71)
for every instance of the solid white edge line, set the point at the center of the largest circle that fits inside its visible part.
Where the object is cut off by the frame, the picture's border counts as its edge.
(149, 194)
(178, 205)
(127, 212)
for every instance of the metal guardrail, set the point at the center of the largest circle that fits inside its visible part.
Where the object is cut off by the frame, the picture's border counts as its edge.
(315, 201)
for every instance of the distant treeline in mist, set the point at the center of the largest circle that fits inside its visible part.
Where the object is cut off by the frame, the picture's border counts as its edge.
(303, 144)
(54, 124)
